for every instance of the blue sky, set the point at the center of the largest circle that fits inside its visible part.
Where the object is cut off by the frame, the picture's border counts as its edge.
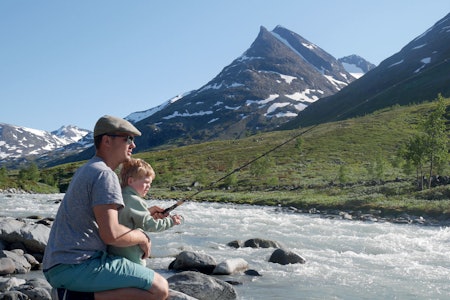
(70, 62)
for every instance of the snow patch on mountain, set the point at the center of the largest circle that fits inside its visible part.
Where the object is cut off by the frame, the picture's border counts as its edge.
(140, 115)
(18, 142)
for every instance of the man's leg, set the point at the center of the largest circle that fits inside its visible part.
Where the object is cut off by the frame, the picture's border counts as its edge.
(158, 291)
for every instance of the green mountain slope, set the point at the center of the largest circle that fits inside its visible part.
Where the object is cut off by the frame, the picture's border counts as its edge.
(329, 166)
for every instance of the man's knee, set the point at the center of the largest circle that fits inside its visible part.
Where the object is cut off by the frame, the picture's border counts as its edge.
(160, 287)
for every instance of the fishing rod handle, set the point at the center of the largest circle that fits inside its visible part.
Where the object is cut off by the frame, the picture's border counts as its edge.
(169, 209)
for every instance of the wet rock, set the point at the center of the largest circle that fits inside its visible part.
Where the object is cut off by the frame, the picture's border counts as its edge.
(36, 293)
(7, 265)
(176, 295)
(9, 283)
(21, 264)
(285, 257)
(192, 261)
(33, 236)
(14, 295)
(231, 266)
(252, 273)
(235, 244)
(201, 286)
(261, 243)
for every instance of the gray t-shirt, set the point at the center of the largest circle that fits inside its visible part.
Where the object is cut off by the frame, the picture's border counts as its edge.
(74, 236)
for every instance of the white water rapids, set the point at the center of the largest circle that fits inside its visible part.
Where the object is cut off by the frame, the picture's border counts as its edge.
(344, 259)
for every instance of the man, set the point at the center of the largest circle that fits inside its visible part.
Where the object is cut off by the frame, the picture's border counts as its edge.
(76, 262)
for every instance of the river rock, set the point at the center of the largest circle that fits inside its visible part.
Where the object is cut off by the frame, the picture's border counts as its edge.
(13, 288)
(192, 261)
(201, 286)
(284, 257)
(33, 236)
(22, 265)
(7, 265)
(261, 243)
(38, 289)
(176, 295)
(231, 266)
(235, 244)
(7, 283)
(14, 295)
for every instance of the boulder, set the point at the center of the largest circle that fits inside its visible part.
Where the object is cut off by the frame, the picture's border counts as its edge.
(201, 286)
(22, 265)
(7, 265)
(36, 293)
(35, 265)
(33, 236)
(37, 288)
(284, 257)
(14, 295)
(9, 283)
(235, 244)
(176, 295)
(192, 261)
(230, 266)
(261, 243)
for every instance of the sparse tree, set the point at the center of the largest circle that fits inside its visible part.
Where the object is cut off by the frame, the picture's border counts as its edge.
(414, 154)
(435, 137)
(31, 173)
(430, 145)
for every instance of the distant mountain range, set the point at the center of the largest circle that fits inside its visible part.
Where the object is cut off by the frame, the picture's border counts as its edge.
(22, 144)
(282, 81)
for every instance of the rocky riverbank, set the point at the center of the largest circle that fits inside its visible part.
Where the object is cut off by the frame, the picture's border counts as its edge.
(374, 216)
(196, 275)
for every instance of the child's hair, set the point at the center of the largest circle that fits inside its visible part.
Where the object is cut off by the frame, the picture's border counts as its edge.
(136, 168)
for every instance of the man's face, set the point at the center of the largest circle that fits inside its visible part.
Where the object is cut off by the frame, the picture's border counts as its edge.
(122, 146)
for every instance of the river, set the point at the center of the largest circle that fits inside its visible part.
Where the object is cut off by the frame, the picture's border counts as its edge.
(344, 259)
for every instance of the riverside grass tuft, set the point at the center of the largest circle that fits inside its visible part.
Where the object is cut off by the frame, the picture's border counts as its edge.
(348, 165)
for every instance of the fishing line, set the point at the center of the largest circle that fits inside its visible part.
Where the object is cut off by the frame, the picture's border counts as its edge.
(335, 118)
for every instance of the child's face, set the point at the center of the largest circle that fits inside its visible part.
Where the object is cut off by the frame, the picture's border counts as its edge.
(140, 185)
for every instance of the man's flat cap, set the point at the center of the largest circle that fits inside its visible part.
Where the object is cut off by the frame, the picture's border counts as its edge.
(109, 124)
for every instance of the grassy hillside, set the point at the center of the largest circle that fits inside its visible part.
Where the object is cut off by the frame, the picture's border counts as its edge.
(331, 165)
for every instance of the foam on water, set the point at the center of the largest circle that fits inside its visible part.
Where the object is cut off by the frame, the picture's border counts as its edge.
(345, 259)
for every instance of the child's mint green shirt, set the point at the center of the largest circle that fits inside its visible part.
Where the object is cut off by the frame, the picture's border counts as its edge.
(135, 215)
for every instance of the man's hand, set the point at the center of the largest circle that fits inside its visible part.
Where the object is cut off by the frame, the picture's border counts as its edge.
(146, 246)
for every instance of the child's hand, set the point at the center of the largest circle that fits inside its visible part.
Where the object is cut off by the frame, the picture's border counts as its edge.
(177, 219)
(157, 212)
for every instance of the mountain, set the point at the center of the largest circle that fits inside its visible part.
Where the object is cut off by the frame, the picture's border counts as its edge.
(19, 144)
(270, 83)
(417, 73)
(356, 65)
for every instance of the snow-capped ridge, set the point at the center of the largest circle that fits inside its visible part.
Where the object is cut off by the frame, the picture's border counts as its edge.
(140, 115)
(20, 142)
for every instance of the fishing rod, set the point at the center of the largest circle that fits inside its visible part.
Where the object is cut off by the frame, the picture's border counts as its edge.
(180, 202)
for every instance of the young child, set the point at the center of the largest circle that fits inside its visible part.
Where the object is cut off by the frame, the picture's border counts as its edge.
(136, 178)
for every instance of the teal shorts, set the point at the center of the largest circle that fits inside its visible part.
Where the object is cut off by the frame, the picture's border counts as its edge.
(100, 273)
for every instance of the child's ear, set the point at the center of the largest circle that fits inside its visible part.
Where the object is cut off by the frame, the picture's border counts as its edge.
(130, 180)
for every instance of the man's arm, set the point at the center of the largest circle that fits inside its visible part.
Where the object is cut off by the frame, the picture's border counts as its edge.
(115, 234)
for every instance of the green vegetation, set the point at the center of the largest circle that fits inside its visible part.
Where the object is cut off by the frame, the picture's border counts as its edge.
(27, 178)
(366, 163)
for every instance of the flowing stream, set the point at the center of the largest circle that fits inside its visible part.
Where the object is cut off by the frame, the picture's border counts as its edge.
(344, 259)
